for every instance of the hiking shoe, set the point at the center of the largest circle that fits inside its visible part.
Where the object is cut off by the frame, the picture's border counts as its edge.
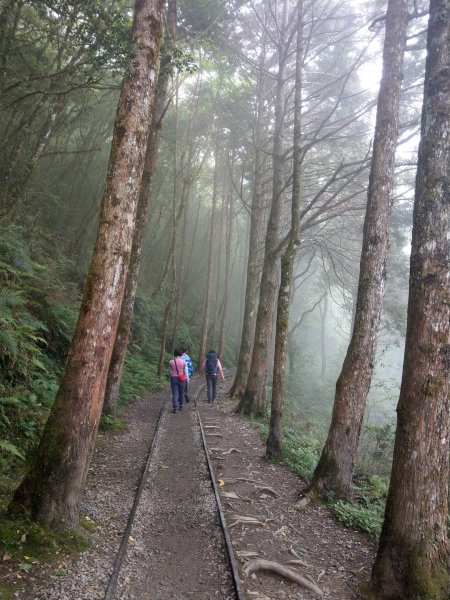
(187, 399)
(180, 407)
(174, 410)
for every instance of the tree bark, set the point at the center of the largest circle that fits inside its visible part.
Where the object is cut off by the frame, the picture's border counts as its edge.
(412, 559)
(334, 471)
(154, 138)
(253, 401)
(50, 491)
(275, 437)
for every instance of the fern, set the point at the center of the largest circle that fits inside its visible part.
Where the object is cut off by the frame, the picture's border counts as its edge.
(9, 346)
(10, 298)
(9, 448)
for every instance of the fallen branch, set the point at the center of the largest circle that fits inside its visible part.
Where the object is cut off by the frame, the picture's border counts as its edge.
(212, 427)
(232, 450)
(267, 565)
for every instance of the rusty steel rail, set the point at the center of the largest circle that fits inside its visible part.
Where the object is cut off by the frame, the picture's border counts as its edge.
(112, 583)
(232, 562)
(111, 589)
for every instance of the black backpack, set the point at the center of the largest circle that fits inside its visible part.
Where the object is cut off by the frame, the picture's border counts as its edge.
(211, 363)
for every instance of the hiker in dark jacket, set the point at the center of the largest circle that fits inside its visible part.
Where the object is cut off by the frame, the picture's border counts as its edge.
(212, 367)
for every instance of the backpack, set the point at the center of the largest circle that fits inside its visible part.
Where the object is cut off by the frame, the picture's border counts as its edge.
(211, 363)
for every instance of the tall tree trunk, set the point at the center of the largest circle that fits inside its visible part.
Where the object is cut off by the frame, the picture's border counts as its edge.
(21, 135)
(274, 439)
(226, 293)
(50, 491)
(10, 13)
(412, 558)
(178, 300)
(254, 247)
(334, 471)
(165, 327)
(323, 340)
(254, 398)
(154, 138)
(16, 202)
(217, 271)
(206, 307)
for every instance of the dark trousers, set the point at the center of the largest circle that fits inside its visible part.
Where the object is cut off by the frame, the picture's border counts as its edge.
(211, 387)
(178, 388)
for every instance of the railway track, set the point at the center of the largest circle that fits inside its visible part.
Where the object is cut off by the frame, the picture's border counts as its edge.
(141, 576)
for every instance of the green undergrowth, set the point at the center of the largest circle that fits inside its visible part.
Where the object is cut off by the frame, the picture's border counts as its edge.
(366, 510)
(302, 444)
(40, 295)
(28, 543)
(110, 424)
(139, 377)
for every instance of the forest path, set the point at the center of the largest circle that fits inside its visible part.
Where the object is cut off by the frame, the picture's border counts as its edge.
(176, 550)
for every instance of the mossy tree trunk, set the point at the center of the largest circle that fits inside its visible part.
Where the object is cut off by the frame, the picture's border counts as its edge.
(50, 491)
(334, 471)
(126, 313)
(254, 400)
(274, 439)
(413, 554)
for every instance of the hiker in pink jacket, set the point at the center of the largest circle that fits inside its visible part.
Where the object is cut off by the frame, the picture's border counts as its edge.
(178, 378)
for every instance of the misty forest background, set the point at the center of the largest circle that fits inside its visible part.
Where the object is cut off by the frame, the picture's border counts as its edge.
(61, 66)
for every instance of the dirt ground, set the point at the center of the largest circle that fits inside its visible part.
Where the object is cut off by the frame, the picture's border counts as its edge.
(175, 548)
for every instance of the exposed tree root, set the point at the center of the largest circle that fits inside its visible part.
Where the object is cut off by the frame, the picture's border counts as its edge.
(298, 561)
(257, 595)
(242, 520)
(266, 490)
(247, 554)
(239, 480)
(267, 565)
(232, 450)
(302, 503)
(231, 495)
